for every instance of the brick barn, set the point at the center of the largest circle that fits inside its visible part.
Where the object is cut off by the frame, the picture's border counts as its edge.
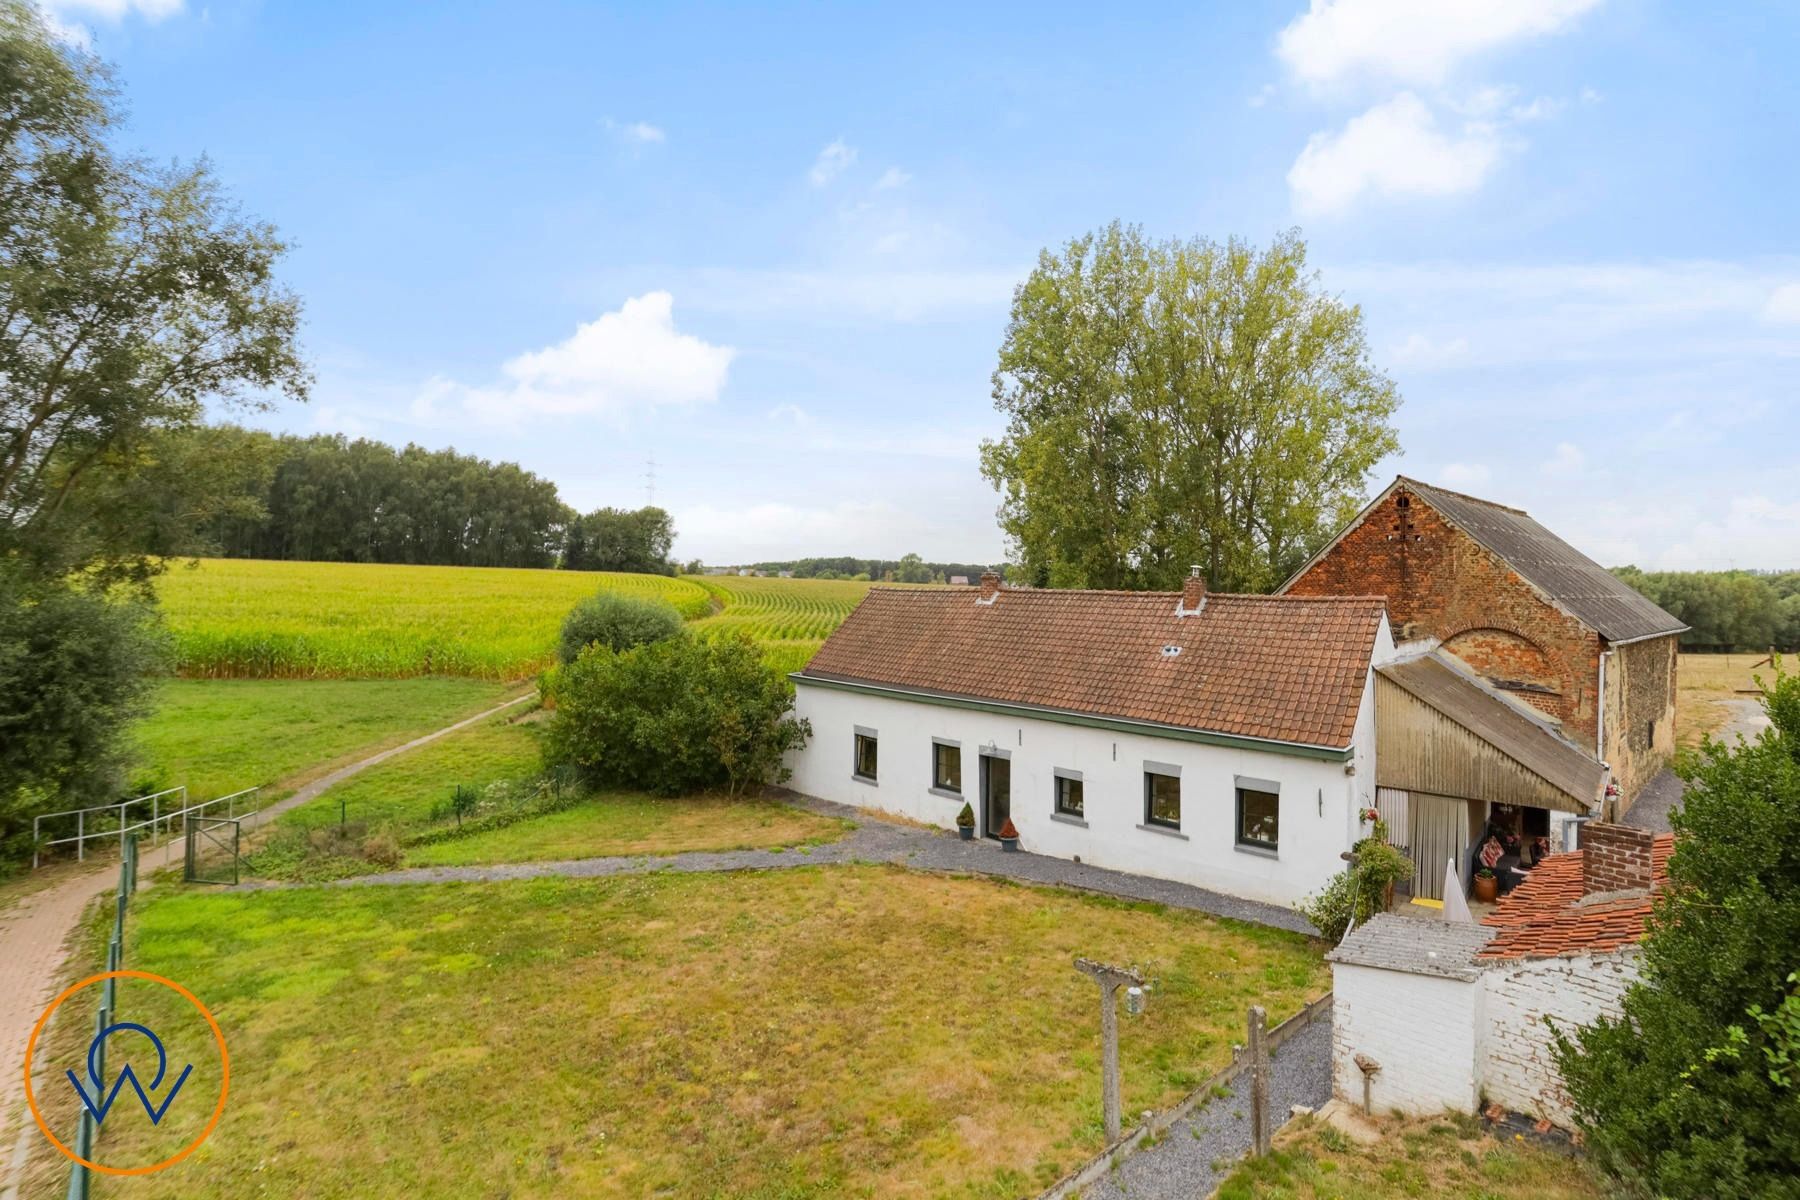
(1527, 612)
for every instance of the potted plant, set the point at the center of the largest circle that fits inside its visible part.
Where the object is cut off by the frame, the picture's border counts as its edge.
(965, 823)
(1009, 836)
(1486, 886)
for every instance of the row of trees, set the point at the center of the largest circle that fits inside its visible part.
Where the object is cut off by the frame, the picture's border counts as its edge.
(328, 498)
(1726, 610)
(908, 568)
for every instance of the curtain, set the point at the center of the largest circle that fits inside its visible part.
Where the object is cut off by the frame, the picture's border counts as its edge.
(1440, 834)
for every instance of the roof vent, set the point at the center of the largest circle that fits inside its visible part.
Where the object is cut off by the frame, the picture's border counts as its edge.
(1171, 651)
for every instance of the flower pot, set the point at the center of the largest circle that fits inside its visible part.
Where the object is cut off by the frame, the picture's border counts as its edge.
(1486, 888)
(967, 832)
(1009, 843)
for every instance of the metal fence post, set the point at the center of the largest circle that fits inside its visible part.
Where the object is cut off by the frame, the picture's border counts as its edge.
(81, 836)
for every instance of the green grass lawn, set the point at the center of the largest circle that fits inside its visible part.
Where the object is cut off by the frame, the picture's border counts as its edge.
(848, 1031)
(627, 823)
(1312, 1161)
(220, 735)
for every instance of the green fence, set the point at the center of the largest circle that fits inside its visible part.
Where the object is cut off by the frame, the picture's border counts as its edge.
(85, 1129)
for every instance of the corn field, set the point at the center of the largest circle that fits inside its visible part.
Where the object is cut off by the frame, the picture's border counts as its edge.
(246, 618)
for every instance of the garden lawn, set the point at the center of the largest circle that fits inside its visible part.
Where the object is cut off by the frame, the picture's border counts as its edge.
(628, 823)
(1432, 1158)
(220, 735)
(848, 1031)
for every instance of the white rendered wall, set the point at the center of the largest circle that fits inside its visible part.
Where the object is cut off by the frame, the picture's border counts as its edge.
(1319, 800)
(1421, 1029)
(1517, 1067)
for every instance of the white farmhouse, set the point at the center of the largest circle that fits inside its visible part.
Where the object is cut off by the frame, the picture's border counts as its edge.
(1220, 740)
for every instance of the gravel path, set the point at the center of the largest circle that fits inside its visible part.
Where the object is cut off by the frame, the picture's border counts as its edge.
(34, 937)
(873, 840)
(1199, 1150)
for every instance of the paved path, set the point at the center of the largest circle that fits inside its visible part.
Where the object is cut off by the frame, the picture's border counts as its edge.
(34, 936)
(873, 840)
(1182, 1164)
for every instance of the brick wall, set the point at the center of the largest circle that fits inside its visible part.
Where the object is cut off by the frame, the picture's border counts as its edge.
(1441, 583)
(1614, 858)
(1516, 1065)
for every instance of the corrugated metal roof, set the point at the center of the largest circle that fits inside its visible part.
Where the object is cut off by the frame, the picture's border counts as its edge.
(1598, 598)
(1417, 945)
(1522, 738)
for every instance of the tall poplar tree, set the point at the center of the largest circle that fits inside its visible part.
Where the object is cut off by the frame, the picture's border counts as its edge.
(1181, 402)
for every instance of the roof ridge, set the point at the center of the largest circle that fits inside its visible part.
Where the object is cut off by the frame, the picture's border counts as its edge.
(959, 589)
(1519, 512)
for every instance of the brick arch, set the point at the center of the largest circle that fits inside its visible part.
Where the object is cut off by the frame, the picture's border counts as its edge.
(1511, 660)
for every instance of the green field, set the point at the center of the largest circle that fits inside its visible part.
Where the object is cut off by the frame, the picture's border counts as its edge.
(239, 618)
(220, 735)
(845, 1031)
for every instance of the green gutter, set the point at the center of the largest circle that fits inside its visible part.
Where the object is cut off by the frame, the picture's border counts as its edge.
(1064, 717)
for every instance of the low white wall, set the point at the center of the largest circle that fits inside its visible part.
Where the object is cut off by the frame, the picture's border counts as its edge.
(1319, 799)
(1518, 1069)
(1420, 1028)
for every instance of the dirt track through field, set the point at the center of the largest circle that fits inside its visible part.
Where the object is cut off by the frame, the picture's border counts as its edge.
(34, 944)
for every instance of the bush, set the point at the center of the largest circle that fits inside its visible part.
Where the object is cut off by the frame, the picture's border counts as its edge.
(616, 622)
(1689, 1091)
(382, 851)
(1359, 890)
(674, 717)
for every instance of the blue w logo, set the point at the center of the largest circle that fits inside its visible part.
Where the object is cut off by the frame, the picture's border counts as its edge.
(100, 1108)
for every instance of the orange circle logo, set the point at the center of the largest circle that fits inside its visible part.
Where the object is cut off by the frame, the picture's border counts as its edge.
(127, 1074)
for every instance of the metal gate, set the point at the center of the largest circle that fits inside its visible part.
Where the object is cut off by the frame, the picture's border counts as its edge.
(212, 850)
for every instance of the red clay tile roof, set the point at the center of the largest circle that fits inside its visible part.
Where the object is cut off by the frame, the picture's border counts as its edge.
(1541, 919)
(1287, 668)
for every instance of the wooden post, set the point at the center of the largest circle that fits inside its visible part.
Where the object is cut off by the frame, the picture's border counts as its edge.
(1259, 1082)
(1110, 979)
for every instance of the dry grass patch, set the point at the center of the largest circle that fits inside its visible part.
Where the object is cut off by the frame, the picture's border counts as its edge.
(1441, 1157)
(1702, 681)
(854, 1031)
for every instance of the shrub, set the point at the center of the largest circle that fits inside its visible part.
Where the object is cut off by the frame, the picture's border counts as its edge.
(966, 818)
(675, 716)
(1686, 1092)
(1358, 891)
(464, 798)
(617, 622)
(382, 851)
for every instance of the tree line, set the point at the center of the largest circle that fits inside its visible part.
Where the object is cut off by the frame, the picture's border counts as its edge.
(908, 568)
(1726, 610)
(327, 498)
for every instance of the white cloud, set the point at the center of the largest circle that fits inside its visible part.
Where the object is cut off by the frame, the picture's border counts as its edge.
(849, 294)
(1412, 41)
(777, 530)
(62, 18)
(1423, 352)
(833, 161)
(636, 133)
(791, 413)
(1688, 533)
(1463, 475)
(1783, 305)
(1567, 463)
(1394, 149)
(622, 363)
(892, 178)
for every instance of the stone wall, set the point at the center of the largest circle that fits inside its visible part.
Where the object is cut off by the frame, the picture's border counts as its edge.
(1640, 712)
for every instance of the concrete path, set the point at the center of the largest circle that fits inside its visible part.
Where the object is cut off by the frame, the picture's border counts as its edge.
(34, 935)
(1199, 1150)
(872, 840)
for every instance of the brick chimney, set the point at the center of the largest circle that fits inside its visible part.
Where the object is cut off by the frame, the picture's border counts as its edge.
(1193, 590)
(1614, 858)
(990, 586)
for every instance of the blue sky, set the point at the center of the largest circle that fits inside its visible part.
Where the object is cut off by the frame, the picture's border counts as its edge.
(774, 250)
